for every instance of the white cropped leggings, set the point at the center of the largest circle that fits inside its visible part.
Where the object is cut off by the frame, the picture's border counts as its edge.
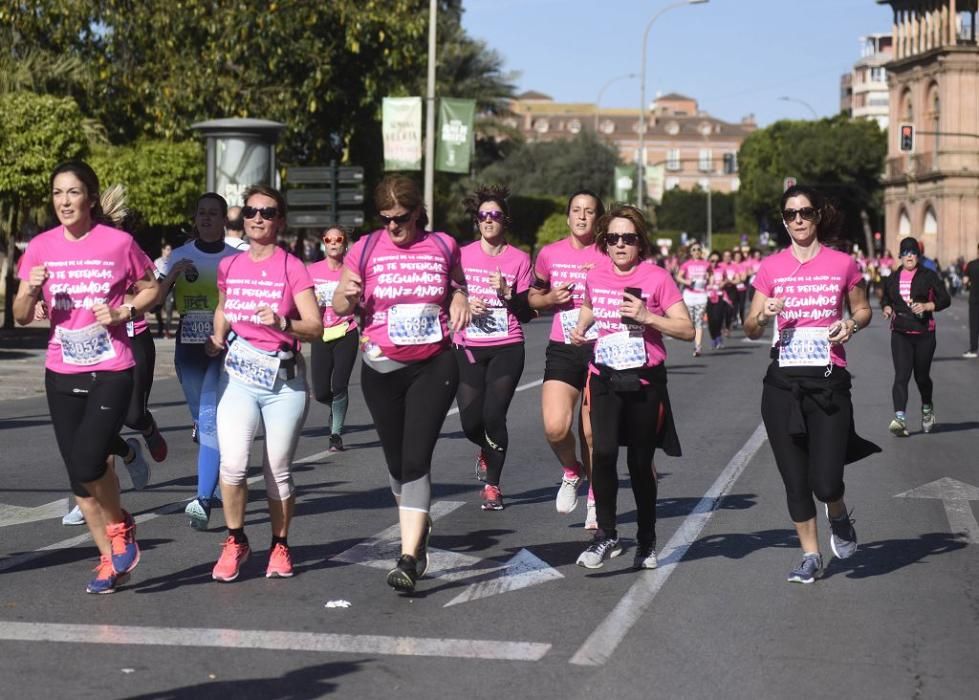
(241, 407)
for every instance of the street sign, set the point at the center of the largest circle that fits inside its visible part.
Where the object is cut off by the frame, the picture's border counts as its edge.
(324, 195)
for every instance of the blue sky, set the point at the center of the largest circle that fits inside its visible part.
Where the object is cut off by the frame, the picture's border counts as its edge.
(736, 57)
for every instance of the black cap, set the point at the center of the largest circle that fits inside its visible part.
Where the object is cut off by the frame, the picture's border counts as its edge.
(910, 245)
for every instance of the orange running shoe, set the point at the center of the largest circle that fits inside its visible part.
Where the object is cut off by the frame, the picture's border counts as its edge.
(233, 555)
(280, 562)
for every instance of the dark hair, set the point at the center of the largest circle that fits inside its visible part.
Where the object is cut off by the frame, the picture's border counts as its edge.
(599, 206)
(271, 192)
(222, 202)
(488, 193)
(83, 171)
(401, 191)
(624, 211)
(830, 224)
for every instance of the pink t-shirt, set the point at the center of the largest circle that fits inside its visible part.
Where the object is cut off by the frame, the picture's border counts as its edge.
(558, 264)
(696, 272)
(500, 326)
(272, 282)
(325, 280)
(99, 268)
(605, 290)
(814, 291)
(401, 287)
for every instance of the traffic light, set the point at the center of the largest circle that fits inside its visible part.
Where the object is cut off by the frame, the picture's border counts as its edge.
(907, 137)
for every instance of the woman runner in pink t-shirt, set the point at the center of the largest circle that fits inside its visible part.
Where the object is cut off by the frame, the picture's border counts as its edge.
(806, 403)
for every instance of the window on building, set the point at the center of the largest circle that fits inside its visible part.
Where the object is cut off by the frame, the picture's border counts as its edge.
(878, 75)
(607, 126)
(904, 224)
(541, 126)
(931, 222)
(705, 162)
(574, 126)
(673, 159)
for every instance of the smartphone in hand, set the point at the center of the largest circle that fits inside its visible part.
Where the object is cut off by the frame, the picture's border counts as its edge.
(636, 292)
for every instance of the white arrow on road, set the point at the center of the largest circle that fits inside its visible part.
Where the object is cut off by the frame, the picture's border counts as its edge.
(955, 496)
(493, 577)
(19, 515)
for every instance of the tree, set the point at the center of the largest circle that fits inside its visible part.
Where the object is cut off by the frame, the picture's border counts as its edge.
(685, 210)
(842, 157)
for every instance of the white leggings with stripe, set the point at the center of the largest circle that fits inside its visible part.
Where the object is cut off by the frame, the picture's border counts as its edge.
(241, 407)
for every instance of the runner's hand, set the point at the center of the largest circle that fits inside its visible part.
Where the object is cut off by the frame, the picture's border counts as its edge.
(354, 287)
(561, 295)
(459, 315)
(40, 311)
(888, 312)
(578, 336)
(773, 306)
(478, 308)
(37, 278)
(498, 282)
(213, 346)
(267, 317)
(634, 308)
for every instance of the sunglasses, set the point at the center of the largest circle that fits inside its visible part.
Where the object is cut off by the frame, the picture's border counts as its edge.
(399, 220)
(267, 213)
(626, 238)
(807, 214)
(696, 250)
(493, 215)
(332, 239)
(909, 252)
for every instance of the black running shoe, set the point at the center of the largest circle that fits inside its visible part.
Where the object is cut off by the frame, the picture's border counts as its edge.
(336, 443)
(404, 574)
(421, 565)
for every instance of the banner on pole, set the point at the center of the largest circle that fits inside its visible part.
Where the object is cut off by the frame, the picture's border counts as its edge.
(402, 131)
(455, 135)
(624, 185)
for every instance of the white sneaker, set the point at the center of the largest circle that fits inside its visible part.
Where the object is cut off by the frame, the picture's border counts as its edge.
(567, 494)
(591, 516)
(139, 470)
(969, 354)
(74, 517)
(600, 549)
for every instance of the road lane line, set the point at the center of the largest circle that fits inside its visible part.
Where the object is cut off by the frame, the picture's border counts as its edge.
(273, 641)
(601, 644)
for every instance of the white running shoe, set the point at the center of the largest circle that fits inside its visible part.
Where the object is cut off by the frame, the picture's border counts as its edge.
(74, 517)
(567, 494)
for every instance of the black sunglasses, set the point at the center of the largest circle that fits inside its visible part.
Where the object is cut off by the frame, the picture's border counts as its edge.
(807, 214)
(626, 238)
(267, 213)
(399, 220)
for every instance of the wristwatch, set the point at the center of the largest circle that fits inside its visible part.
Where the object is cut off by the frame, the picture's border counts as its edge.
(856, 327)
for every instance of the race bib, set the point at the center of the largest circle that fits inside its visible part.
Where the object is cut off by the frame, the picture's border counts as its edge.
(493, 326)
(324, 294)
(196, 327)
(621, 350)
(569, 319)
(250, 366)
(803, 347)
(86, 346)
(414, 324)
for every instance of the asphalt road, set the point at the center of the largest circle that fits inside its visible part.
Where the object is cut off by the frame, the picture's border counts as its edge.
(507, 611)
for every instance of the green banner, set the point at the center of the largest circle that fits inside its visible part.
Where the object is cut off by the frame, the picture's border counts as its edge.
(402, 131)
(624, 185)
(455, 135)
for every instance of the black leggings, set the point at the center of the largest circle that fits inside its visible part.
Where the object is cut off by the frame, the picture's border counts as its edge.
(716, 313)
(912, 353)
(331, 364)
(409, 407)
(974, 321)
(138, 416)
(87, 412)
(486, 387)
(632, 419)
(811, 464)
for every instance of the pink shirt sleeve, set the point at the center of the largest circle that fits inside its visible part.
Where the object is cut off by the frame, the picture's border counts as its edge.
(524, 277)
(853, 275)
(542, 267)
(299, 278)
(762, 281)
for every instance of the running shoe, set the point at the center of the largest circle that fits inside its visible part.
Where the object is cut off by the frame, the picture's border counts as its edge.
(899, 427)
(970, 354)
(404, 574)
(492, 498)
(843, 539)
(336, 444)
(422, 560)
(927, 418)
(567, 494)
(156, 444)
(481, 466)
(280, 562)
(591, 516)
(645, 557)
(106, 579)
(125, 549)
(199, 512)
(74, 517)
(139, 470)
(808, 570)
(696, 351)
(600, 549)
(233, 555)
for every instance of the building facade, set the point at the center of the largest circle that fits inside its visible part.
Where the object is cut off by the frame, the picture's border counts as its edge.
(864, 93)
(684, 147)
(932, 193)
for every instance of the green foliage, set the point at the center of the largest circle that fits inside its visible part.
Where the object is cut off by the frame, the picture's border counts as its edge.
(684, 210)
(842, 157)
(163, 180)
(554, 228)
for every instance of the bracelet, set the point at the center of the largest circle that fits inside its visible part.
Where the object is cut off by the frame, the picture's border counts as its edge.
(856, 327)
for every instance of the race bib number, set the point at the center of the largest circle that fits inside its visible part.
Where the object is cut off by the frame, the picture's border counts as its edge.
(414, 324)
(196, 327)
(324, 294)
(86, 346)
(569, 319)
(251, 366)
(621, 350)
(493, 326)
(803, 347)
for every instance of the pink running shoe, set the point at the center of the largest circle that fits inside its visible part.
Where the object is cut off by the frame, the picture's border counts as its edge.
(233, 555)
(280, 562)
(481, 466)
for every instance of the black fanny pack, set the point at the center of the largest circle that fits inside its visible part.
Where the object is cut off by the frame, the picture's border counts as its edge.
(909, 323)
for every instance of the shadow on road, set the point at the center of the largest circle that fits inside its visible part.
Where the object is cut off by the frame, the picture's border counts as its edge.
(886, 556)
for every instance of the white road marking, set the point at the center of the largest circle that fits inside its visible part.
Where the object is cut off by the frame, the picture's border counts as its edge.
(522, 571)
(270, 640)
(601, 644)
(955, 496)
(19, 515)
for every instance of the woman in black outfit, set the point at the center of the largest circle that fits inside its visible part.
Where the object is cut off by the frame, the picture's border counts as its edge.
(911, 296)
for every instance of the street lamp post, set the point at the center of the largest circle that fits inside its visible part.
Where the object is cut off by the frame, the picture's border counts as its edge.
(642, 96)
(430, 115)
(801, 102)
(598, 100)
